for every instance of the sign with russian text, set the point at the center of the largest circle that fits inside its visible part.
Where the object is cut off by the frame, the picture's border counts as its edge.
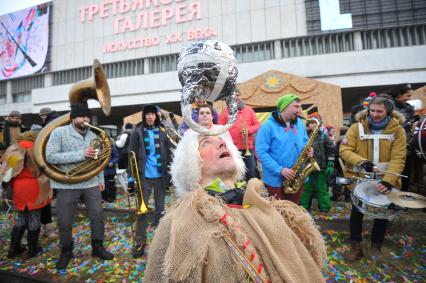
(146, 15)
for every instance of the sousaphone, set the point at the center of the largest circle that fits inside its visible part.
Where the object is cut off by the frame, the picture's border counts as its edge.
(94, 88)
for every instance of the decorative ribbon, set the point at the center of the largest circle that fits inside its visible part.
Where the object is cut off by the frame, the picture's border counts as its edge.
(247, 265)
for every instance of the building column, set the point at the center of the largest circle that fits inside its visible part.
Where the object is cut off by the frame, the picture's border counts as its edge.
(9, 96)
(146, 66)
(277, 49)
(357, 41)
(48, 80)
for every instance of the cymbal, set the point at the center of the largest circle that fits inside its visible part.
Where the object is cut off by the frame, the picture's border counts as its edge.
(407, 199)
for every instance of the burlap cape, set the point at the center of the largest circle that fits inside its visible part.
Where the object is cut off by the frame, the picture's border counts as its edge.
(188, 246)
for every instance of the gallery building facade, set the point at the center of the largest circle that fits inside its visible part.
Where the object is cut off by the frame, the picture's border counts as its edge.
(358, 45)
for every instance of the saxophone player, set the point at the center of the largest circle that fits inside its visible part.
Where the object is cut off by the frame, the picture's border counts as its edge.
(279, 142)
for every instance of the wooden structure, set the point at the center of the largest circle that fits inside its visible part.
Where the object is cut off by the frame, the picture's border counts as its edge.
(264, 90)
(420, 94)
(135, 118)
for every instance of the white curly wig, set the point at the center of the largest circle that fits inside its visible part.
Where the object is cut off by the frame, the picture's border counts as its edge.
(186, 165)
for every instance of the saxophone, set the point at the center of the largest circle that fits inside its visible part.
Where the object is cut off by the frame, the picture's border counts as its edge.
(292, 187)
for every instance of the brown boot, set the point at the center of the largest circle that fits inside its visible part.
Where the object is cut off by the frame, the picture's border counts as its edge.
(355, 252)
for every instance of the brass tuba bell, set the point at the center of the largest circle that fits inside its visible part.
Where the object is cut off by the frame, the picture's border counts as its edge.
(94, 88)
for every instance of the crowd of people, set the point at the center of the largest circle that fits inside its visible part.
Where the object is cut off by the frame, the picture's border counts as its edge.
(217, 180)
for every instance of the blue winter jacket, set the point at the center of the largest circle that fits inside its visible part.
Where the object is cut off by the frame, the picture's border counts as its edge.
(278, 147)
(115, 157)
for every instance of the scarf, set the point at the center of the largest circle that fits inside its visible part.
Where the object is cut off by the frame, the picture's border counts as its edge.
(377, 126)
(156, 144)
(240, 105)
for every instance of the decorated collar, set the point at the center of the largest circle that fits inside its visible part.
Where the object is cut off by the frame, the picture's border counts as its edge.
(218, 186)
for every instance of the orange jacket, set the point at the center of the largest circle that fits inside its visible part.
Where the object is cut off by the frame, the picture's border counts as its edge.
(30, 189)
(252, 124)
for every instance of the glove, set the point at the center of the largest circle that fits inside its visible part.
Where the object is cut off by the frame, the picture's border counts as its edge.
(330, 168)
(387, 185)
(367, 166)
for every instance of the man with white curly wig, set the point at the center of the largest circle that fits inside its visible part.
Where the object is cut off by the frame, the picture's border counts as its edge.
(219, 233)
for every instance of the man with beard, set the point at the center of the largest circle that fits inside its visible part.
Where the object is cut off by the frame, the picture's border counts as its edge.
(243, 132)
(152, 149)
(376, 143)
(11, 129)
(67, 146)
(279, 142)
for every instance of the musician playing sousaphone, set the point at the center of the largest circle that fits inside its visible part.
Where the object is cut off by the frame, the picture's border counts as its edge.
(218, 231)
(243, 132)
(376, 143)
(67, 146)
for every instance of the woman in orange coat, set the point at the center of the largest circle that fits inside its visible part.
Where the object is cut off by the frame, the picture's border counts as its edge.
(31, 192)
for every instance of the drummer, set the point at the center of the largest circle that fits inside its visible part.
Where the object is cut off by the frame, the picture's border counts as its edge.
(375, 143)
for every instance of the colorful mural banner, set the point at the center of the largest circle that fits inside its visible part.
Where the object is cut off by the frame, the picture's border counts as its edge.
(24, 41)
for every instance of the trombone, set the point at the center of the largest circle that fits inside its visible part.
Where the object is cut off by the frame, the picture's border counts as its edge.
(141, 207)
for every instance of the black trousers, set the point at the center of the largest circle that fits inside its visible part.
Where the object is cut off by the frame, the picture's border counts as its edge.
(46, 214)
(379, 227)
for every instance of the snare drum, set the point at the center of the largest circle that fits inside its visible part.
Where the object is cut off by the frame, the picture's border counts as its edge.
(369, 201)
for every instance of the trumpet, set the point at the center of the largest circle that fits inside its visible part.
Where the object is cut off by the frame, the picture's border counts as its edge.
(244, 133)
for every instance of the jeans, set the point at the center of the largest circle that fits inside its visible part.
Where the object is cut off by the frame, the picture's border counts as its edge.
(66, 206)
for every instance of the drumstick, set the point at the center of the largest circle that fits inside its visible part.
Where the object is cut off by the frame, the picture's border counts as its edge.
(396, 174)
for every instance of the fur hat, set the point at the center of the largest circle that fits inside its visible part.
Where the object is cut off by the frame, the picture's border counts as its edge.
(186, 166)
(149, 108)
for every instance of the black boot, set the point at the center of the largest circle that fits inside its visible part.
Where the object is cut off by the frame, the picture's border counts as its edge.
(33, 248)
(64, 259)
(138, 251)
(15, 241)
(99, 251)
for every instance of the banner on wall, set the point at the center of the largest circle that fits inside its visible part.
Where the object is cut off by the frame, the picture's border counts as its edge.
(24, 41)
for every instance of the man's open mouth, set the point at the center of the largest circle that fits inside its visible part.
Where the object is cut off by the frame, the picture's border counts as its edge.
(225, 154)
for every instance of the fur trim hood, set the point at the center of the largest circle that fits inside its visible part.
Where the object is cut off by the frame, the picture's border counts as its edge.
(186, 165)
(396, 116)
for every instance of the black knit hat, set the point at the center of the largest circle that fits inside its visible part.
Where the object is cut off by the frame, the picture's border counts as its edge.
(80, 110)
